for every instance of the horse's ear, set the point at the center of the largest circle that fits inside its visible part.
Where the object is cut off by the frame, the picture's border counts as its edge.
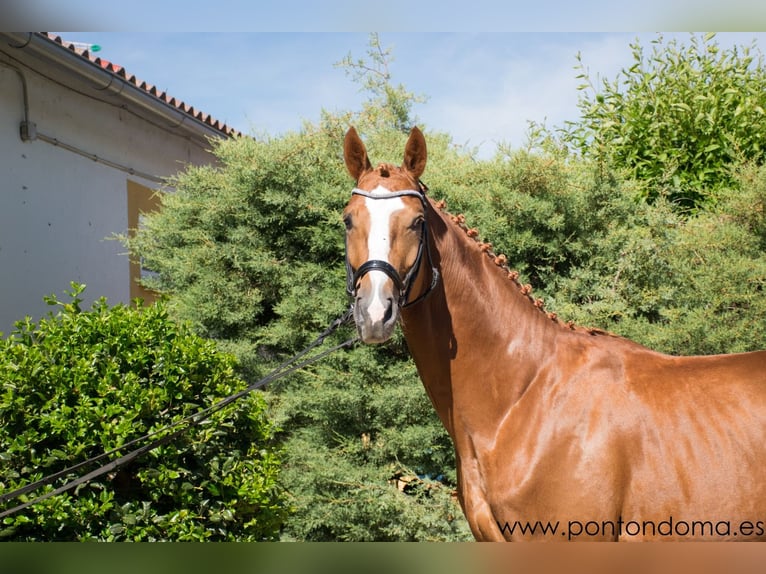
(415, 154)
(355, 154)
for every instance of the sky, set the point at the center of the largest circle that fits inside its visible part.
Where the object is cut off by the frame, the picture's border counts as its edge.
(481, 88)
(486, 67)
(392, 15)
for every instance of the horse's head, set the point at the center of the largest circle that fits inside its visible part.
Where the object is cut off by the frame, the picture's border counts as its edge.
(385, 234)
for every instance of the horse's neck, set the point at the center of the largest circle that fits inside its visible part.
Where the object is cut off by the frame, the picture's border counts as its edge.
(477, 340)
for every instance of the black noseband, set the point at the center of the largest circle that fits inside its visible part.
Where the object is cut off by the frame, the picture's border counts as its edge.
(379, 265)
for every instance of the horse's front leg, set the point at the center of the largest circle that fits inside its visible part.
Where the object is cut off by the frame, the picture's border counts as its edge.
(474, 502)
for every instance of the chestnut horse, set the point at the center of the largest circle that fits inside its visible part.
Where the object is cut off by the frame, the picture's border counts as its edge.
(560, 432)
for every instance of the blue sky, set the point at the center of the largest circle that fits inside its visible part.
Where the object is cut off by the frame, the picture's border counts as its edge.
(481, 88)
(392, 15)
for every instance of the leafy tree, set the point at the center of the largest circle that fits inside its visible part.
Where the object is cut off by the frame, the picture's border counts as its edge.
(679, 119)
(251, 254)
(388, 105)
(80, 383)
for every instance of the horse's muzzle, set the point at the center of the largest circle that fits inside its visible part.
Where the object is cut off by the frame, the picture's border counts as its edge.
(376, 308)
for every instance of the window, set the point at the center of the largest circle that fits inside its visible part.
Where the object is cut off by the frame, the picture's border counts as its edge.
(141, 200)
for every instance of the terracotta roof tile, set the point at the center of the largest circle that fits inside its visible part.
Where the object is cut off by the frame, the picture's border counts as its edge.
(148, 88)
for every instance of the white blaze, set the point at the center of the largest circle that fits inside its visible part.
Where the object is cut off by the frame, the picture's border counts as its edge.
(379, 245)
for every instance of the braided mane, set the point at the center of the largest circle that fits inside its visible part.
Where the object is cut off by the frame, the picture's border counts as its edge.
(502, 261)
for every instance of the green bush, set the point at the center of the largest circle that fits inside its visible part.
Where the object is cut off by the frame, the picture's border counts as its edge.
(80, 383)
(680, 119)
(680, 285)
(251, 254)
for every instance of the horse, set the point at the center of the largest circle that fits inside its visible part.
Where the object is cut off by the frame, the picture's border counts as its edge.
(560, 432)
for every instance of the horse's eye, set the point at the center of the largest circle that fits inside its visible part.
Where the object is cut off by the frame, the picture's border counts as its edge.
(417, 223)
(347, 221)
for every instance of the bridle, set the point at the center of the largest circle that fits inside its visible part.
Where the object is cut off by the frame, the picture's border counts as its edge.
(403, 284)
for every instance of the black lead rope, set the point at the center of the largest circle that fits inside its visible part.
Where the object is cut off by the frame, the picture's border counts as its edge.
(286, 368)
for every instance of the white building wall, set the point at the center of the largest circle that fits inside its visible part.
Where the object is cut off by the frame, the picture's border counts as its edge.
(59, 210)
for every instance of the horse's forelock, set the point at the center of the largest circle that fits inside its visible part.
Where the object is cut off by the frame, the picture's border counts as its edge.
(395, 177)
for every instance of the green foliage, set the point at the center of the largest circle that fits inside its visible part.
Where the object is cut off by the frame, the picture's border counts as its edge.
(679, 119)
(389, 105)
(539, 211)
(80, 383)
(252, 255)
(360, 421)
(680, 285)
(235, 246)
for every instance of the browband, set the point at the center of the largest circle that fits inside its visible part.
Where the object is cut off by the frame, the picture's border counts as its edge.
(390, 194)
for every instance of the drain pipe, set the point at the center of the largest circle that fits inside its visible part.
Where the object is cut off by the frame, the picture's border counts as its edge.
(28, 132)
(27, 127)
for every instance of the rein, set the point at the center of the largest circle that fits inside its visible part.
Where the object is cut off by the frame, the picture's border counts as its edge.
(403, 284)
(180, 426)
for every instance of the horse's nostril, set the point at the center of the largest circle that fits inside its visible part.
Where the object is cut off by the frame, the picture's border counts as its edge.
(389, 311)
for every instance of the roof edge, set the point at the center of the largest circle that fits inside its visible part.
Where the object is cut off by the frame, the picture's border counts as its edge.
(114, 80)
